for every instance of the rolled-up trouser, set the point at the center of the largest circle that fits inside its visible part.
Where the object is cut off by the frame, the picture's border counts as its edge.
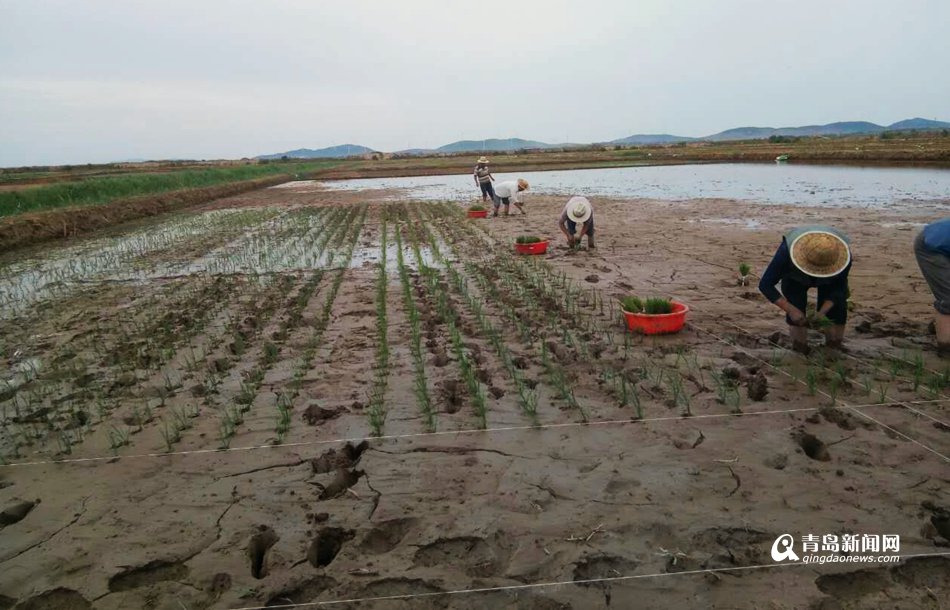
(796, 293)
(487, 189)
(935, 267)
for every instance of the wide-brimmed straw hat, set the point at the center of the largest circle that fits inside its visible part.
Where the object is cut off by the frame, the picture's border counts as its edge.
(578, 209)
(820, 253)
(522, 184)
(482, 160)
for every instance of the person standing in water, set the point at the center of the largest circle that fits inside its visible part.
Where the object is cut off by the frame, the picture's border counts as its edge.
(484, 179)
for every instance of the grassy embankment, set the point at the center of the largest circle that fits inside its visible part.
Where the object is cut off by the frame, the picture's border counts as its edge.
(105, 189)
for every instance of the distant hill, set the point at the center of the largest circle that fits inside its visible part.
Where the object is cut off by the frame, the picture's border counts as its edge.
(650, 138)
(343, 150)
(414, 151)
(919, 123)
(492, 144)
(842, 128)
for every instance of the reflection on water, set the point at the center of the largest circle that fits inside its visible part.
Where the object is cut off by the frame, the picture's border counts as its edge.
(772, 183)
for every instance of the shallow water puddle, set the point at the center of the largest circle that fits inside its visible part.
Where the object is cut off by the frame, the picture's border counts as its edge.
(746, 223)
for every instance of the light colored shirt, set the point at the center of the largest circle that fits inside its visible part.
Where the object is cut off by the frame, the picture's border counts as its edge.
(483, 174)
(508, 189)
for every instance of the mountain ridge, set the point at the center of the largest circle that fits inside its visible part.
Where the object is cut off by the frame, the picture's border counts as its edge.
(839, 128)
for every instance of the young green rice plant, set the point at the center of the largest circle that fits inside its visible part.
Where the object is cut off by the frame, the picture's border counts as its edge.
(284, 411)
(171, 382)
(918, 369)
(866, 384)
(657, 306)
(527, 239)
(632, 304)
(192, 360)
(882, 391)
(377, 407)
(841, 374)
(678, 392)
(833, 387)
(246, 396)
(65, 442)
(744, 270)
(271, 353)
(118, 438)
(181, 418)
(226, 429)
(896, 365)
(811, 379)
(934, 385)
(170, 434)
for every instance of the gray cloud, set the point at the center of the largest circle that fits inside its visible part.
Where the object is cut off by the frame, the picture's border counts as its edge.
(105, 80)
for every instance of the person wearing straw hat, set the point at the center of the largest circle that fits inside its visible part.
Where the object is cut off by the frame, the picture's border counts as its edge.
(578, 213)
(810, 257)
(932, 250)
(510, 192)
(484, 179)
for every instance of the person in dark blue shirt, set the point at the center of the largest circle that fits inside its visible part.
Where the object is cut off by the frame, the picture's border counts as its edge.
(810, 257)
(932, 249)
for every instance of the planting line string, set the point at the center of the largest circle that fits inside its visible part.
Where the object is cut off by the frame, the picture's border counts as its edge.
(561, 583)
(899, 402)
(851, 407)
(414, 435)
(390, 437)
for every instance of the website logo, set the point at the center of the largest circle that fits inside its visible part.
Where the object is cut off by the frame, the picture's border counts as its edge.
(831, 548)
(782, 548)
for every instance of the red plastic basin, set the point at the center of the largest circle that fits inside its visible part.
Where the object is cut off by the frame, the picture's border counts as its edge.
(538, 247)
(477, 213)
(659, 324)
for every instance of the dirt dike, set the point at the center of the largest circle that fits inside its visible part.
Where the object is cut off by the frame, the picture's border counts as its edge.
(31, 229)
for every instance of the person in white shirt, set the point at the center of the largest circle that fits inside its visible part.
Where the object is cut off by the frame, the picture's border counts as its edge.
(509, 192)
(578, 213)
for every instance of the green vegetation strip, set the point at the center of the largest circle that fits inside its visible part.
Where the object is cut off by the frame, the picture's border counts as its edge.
(97, 191)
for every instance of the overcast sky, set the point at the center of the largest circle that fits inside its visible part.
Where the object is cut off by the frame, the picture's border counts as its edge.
(99, 80)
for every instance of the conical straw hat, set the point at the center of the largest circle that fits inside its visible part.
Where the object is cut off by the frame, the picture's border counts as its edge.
(482, 160)
(578, 209)
(820, 254)
(522, 184)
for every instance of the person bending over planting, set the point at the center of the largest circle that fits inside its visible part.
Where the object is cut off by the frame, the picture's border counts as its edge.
(510, 192)
(811, 257)
(484, 179)
(577, 214)
(932, 249)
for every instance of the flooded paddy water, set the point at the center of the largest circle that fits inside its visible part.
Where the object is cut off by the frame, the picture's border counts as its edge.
(775, 184)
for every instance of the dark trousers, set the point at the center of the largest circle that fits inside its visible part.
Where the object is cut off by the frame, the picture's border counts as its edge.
(796, 293)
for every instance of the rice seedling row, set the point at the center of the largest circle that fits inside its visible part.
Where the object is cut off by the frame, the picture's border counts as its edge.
(447, 313)
(420, 384)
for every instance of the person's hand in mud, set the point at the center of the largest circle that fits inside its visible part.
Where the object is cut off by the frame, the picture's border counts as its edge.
(820, 320)
(571, 242)
(797, 317)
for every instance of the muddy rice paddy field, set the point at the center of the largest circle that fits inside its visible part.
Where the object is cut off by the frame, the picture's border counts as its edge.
(300, 395)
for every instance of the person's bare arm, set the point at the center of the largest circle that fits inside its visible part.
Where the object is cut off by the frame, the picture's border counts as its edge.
(796, 315)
